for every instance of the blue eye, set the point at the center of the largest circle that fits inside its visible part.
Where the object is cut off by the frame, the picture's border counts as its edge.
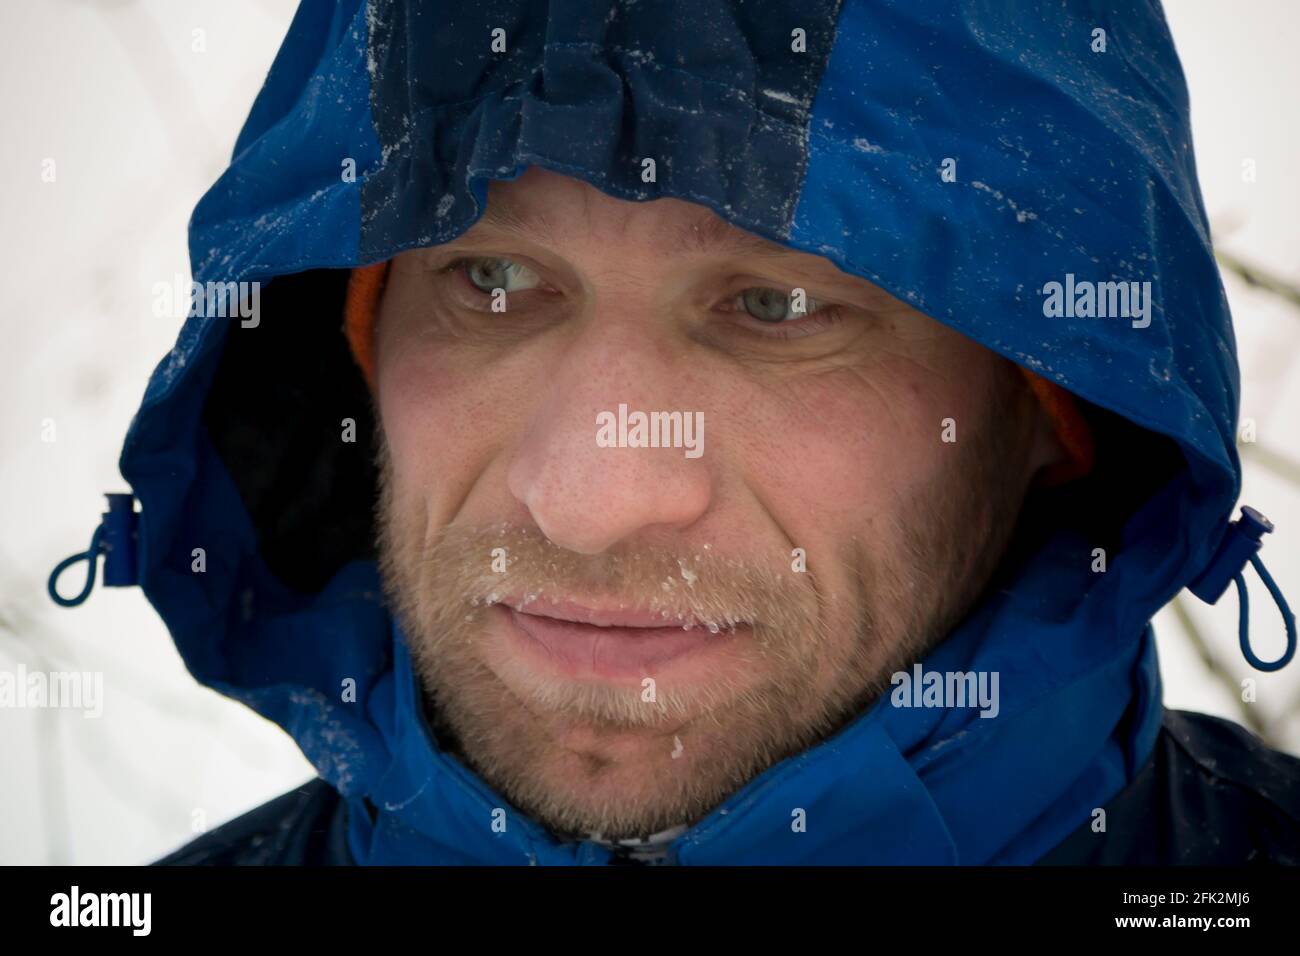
(487, 275)
(773, 305)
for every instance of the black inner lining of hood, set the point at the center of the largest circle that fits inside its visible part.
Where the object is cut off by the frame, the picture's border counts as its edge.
(282, 389)
(275, 414)
(1132, 464)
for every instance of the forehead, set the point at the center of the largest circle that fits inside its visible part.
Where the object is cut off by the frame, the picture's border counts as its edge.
(553, 209)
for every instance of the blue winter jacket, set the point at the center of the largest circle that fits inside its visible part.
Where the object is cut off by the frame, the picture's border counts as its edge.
(959, 154)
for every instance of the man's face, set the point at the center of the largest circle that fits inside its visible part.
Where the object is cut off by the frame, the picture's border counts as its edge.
(617, 637)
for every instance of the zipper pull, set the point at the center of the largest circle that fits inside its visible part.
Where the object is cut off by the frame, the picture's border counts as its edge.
(115, 539)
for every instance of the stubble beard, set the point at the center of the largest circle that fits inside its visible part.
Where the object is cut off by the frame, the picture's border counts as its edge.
(906, 596)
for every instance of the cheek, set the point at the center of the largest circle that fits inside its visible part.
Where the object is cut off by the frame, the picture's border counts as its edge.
(442, 415)
(834, 451)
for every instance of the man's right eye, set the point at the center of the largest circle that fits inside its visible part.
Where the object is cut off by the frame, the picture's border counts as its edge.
(488, 275)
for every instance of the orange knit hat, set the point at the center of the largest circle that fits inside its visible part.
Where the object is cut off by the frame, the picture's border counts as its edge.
(367, 286)
(1072, 430)
(361, 308)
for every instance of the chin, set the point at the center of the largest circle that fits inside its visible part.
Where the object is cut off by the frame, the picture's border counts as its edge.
(580, 777)
(627, 791)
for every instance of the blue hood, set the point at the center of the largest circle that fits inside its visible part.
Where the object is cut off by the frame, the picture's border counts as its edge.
(1067, 161)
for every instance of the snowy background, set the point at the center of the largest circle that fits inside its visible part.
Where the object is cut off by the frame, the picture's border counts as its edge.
(140, 123)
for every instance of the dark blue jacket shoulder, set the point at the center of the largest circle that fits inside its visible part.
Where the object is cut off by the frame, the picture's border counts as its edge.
(304, 827)
(1211, 793)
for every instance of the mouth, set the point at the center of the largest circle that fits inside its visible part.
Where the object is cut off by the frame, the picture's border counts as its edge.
(615, 644)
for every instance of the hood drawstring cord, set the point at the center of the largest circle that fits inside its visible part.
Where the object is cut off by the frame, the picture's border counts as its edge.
(1240, 546)
(1243, 624)
(115, 539)
(96, 547)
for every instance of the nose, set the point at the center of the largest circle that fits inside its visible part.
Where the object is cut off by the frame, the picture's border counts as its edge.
(586, 497)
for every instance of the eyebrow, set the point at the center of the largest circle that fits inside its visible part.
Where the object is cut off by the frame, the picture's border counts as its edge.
(703, 234)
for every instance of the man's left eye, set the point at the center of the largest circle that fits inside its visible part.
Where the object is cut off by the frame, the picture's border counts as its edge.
(773, 305)
(488, 275)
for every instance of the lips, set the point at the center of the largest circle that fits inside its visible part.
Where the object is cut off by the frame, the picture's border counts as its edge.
(610, 643)
(604, 617)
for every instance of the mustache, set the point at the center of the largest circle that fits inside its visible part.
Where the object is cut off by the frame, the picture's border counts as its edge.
(476, 566)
